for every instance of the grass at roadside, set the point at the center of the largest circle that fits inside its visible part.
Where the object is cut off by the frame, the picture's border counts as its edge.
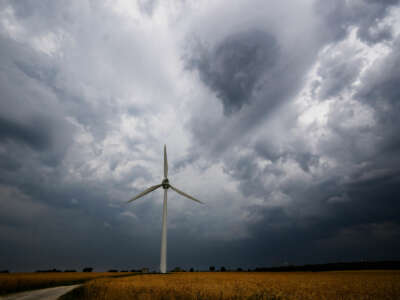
(18, 282)
(243, 285)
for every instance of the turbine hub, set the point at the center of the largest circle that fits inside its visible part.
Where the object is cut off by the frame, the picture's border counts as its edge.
(165, 183)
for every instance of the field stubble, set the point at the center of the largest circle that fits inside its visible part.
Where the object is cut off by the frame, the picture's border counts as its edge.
(234, 286)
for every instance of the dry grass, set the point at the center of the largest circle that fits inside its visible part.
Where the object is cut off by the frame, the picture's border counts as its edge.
(230, 286)
(17, 282)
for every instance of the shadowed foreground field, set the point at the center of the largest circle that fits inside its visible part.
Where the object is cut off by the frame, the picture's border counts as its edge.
(236, 285)
(18, 282)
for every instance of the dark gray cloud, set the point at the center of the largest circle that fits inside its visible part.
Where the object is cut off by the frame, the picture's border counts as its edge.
(235, 68)
(285, 126)
(33, 134)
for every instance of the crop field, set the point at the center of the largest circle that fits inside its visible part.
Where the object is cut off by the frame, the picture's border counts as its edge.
(18, 282)
(237, 285)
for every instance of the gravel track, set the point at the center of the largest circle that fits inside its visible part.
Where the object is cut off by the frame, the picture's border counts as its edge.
(43, 294)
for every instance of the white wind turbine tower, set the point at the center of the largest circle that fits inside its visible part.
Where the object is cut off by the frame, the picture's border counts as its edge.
(165, 184)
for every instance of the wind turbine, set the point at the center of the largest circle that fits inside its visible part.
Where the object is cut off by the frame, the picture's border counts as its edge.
(165, 185)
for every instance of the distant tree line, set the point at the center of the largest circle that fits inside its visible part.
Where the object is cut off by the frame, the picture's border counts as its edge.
(338, 266)
(122, 271)
(87, 269)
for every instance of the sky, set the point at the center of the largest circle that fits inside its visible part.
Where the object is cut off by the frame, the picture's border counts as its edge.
(282, 116)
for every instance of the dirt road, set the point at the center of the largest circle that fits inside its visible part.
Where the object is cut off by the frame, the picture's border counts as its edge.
(43, 294)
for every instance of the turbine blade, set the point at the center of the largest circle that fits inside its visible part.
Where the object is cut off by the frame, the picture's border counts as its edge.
(184, 194)
(149, 190)
(165, 162)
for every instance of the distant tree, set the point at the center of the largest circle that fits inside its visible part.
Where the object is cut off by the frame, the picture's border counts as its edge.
(239, 269)
(191, 270)
(177, 269)
(124, 271)
(223, 269)
(87, 269)
(69, 271)
(5, 271)
(212, 268)
(113, 271)
(134, 271)
(48, 271)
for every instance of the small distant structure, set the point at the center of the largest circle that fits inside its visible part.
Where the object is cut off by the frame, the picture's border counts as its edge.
(145, 270)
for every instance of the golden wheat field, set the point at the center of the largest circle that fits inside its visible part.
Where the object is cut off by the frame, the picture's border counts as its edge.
(236, 285)
(16, 282)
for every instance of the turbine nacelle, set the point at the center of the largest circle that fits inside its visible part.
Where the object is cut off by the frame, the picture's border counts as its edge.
(165, 184)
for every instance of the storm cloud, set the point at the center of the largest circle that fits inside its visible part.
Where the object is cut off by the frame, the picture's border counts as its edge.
(235, 69)
(281, 117)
